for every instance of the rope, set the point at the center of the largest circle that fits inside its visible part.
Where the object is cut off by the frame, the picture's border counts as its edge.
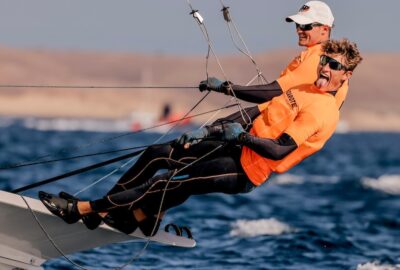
(134, 157)
(104, 140)
(69, 158)
(200, 21)
(203, 29)
(230, 23)
(78, 171)
(49, 238)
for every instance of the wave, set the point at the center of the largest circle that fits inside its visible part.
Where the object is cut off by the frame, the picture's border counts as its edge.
(251, 228)
(377, 266)
(291, 179)
(386, 183)
(288, 179)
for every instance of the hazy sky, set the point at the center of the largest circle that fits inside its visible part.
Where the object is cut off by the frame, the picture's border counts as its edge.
(165, 26)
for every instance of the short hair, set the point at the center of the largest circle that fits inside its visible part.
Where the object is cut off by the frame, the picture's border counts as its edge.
(346, 48)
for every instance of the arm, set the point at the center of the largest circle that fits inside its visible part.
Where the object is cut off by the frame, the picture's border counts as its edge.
(256, 93)
(253, 93)
(241, 117)
(269, 148)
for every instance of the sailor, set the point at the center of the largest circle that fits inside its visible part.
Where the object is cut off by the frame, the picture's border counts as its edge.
(227, 156)
(314, 23)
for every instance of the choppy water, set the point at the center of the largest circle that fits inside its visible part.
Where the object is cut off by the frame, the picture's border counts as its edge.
(337, 210)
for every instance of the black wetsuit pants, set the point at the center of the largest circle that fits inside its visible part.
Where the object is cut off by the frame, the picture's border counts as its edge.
(206, 167)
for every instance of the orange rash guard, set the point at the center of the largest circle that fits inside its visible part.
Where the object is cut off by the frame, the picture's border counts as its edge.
(307, 115)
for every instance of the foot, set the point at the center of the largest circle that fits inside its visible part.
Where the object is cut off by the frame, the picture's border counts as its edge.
(92, 220)
(121, 219)
(66, 209)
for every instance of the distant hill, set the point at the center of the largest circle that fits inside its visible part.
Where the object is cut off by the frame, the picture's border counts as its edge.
(372, 103)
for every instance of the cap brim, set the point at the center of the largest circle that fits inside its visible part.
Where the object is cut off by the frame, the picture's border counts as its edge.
(299, 19)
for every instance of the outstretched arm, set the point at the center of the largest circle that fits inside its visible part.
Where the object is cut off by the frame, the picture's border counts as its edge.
(256, 93)
(253, 93)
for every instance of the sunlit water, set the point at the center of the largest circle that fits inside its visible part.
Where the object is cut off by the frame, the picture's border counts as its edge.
(337, 210)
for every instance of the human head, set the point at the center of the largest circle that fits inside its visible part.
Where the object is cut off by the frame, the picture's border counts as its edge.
(319, 16)
(338, 60)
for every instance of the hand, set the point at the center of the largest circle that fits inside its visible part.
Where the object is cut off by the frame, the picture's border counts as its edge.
(214, 84)
(193, 137)
(231, 132)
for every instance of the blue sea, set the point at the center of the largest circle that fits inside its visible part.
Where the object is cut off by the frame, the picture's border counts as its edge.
(339, 209)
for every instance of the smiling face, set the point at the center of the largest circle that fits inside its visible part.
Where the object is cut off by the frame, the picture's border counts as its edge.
(317, 34)
(332, 72)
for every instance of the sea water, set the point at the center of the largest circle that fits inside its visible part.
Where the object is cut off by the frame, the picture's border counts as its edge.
(336, 210)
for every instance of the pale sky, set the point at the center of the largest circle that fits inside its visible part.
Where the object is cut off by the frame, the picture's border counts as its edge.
(165, 26)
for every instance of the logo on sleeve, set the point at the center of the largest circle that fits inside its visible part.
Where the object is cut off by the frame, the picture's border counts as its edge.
(291, 99)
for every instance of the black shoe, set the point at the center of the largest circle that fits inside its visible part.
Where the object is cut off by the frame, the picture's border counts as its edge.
(121, 219)
(150, 226)
(67, 209)
(92, 220)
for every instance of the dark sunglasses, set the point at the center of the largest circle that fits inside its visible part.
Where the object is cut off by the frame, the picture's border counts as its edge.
(333, 64)
(307, 27)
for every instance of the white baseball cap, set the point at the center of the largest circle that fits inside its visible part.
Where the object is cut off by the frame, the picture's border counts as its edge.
(313, 12)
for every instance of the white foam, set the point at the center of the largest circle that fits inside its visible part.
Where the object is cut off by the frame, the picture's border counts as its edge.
(387, 183)
(251, 228)
(288, 179)
(377, 266)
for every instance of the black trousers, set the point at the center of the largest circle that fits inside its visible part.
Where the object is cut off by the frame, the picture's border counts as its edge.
(202, 170)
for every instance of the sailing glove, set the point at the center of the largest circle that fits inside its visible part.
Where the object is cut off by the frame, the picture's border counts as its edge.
(214, 84)
(193, 137)
(229, 132)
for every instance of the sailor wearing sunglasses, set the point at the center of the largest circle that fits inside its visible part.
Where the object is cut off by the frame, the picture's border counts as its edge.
(314, 23)
(287, 130)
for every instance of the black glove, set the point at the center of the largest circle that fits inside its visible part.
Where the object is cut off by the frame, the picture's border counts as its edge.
(214, 84)
(229, 132)
(192, 137)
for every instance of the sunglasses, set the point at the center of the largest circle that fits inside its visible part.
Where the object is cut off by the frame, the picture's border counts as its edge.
(333, 64)
(307, 27)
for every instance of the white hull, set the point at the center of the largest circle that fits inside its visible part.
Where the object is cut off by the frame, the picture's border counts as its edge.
(24, 245)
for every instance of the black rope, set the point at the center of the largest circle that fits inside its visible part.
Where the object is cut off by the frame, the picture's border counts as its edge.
(78, 171)
(71, 158)
(65, 150)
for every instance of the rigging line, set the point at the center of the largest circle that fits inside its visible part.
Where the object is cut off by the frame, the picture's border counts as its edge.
(138, 254)
(134, 157)
(230, 22)
(200, 21)
(77, 171)
(97, 86)
(49, 238)
(65, 150)
(72, 157)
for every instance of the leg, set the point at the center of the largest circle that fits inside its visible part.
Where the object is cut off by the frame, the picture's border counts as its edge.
(157, 157)
(222, 174)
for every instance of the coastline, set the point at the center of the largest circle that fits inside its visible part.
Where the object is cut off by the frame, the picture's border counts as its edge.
(370, 106)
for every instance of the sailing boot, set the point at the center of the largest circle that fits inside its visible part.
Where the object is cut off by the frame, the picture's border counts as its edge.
(66, 209)
(92, 220)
